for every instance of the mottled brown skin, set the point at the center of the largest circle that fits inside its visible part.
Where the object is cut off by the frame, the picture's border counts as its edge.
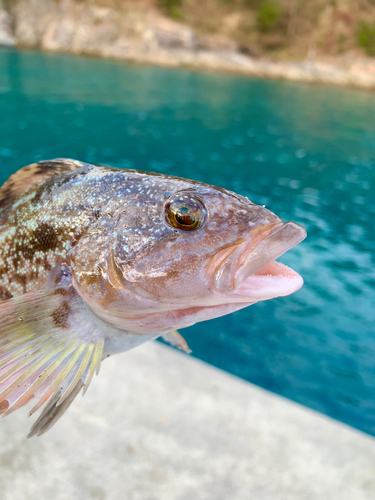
(32, 233)
(5, 294)
(61, 314)
(109, 226)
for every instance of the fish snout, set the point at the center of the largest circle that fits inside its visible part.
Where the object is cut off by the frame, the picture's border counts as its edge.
(231, 266)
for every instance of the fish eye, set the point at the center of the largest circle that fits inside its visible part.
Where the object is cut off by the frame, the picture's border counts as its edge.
(185, 211)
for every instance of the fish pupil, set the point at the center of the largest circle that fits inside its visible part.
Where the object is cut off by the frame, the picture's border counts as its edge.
(186, 212)
(185, 217)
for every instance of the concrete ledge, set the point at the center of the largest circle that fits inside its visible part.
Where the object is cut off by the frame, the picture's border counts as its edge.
(157, 424)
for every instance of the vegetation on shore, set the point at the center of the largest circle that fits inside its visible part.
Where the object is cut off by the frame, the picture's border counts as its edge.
(283, 28)
(272, 29)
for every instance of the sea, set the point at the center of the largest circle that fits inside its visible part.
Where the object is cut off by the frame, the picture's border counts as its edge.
(305, 151)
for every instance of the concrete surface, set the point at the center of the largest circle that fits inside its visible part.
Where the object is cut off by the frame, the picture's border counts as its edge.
(157, 424)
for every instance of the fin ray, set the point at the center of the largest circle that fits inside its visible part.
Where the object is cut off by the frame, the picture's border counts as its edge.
(97, 356)
(78, 375)
(29, 392)
(40, 355)
(176, 339)
(52, 412)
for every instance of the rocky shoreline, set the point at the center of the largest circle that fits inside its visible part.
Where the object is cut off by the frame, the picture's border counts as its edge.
(148, 37)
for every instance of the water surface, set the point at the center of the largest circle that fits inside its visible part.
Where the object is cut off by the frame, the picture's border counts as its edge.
(307, 152)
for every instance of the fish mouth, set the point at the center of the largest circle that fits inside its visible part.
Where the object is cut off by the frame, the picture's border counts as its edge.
(240, 275)
(248, 267)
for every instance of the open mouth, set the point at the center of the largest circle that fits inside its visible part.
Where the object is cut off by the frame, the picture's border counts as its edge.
(241, 274)
(249, 268)
(272, 280)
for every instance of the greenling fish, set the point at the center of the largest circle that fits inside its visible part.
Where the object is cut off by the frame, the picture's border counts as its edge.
(95, 261)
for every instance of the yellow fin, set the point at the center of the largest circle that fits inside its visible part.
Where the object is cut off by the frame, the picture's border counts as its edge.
(49, 343)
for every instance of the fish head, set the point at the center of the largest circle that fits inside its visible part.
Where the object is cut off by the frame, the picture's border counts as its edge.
(182, 252)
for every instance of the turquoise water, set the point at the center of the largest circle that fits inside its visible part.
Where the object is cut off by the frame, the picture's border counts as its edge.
(307, 152)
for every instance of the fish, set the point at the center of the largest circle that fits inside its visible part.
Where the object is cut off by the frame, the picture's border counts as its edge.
(96, 260)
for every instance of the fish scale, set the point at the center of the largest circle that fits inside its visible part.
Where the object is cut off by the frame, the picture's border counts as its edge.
(95, 261)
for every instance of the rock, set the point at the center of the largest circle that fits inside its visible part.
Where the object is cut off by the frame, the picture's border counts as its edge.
(6, 36)
(170, 34)
(144, 35)
(84, 28)
(247, 51)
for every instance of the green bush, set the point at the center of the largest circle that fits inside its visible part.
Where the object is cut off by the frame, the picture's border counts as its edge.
(269, 15)
(172, 8)
(366, 37)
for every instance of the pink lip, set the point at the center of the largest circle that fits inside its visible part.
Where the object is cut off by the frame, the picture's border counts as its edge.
(273, 280)
(231, 267)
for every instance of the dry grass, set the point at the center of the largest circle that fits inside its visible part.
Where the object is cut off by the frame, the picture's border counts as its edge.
(303, 28)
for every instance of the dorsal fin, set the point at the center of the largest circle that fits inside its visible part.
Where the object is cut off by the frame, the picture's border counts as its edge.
(33, 174)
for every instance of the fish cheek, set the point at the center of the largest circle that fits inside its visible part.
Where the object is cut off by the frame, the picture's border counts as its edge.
(176, 279)
(90, 269)
(170, 269)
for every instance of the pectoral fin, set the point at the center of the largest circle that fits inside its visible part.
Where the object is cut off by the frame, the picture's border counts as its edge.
(53, 411)
(49, 344)
(176, 339)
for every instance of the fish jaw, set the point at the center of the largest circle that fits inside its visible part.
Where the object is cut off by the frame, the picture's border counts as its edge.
(231, 267)
(273, 280)
(239, 275)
